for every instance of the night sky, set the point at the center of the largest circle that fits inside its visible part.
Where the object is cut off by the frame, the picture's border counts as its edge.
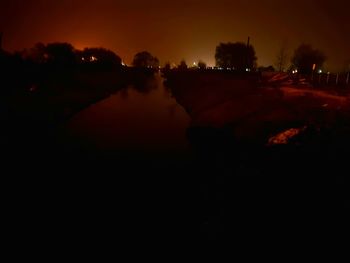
(175, 30)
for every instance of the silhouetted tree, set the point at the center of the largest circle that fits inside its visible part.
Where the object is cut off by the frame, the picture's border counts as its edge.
(61, 54)
(202, 65)
(282, 58)
(183, 65)
(235, 55)
(37, 54)
(166, 69)
(145, 60)
(305, 56)
(100, 56)
(167, 66)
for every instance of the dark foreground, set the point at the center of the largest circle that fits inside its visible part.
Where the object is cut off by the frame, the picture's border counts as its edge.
(224, 189)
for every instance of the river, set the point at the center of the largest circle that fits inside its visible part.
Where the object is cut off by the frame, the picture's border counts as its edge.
(143, 120)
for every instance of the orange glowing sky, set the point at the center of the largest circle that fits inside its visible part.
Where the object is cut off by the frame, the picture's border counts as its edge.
(175, 30)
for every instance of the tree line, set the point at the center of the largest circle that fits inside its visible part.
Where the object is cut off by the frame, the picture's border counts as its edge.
(236, 56)
(65, 56)
(242, 57)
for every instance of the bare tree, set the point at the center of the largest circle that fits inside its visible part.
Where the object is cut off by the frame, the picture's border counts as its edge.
(282, 57)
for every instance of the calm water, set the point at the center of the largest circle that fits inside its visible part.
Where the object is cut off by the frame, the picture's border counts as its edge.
(140, 119)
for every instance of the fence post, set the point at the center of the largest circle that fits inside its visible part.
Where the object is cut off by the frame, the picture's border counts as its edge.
(337, 79)
(328, 77)
(347, 79)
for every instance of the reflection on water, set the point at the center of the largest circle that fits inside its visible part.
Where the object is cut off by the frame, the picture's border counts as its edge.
(144, 117)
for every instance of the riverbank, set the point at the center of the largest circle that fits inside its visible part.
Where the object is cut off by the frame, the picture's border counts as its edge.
(247, 105)
(264, 150)
(32, 112)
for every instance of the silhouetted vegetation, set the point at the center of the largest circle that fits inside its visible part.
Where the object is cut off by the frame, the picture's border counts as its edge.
(37, 54)
(60, 55)
(63, 56)
(100, 56)
(237, 56)
(145, 60)
(202, 65)
(49, 83)
(183, 65)
(167, 67)
(305, 56)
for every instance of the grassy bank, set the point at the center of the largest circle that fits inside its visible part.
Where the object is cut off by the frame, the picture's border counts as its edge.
(251, 108)
(263, 150)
